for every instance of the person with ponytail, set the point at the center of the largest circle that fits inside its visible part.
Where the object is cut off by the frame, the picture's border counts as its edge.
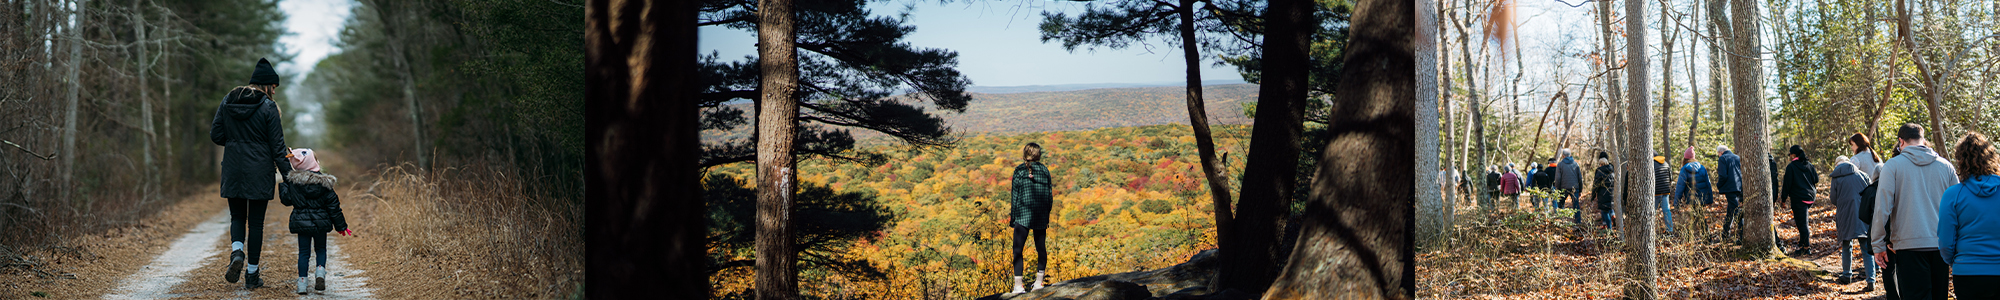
(252, 136)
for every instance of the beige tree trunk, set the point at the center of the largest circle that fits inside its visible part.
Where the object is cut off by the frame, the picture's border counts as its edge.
(152, 187)
(1429, 201)
(1666, 83)
(1204, 142)
(777, 125)
(69, 112)
(1641, 269)
(1752, 138)
(1614, 98)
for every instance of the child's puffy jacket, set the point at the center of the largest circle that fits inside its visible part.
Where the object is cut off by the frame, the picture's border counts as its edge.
(315, 208)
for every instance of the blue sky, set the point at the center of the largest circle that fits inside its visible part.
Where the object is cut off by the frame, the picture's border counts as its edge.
(998, 44)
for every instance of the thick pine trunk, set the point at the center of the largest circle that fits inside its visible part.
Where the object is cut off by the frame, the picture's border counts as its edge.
(1356, 239)
(1641, 269)
(777, 125)
(1211, 169)
(1429, 201)
(645, 203)
(1751, 136)
(1272, 164)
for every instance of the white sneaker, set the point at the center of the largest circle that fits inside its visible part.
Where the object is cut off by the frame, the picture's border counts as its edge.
(1038, 280)
(302, 286)
(1017, 286)
(319, 278)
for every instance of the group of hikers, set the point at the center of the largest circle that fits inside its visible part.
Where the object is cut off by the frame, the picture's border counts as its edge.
(1910, 211)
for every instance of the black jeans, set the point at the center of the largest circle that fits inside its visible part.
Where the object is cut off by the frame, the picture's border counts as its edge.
(248, 213)
(1041, 249)
(1800, 212)
(1977, 286)
(1730, 219)
(310, 243)
(1920, 274)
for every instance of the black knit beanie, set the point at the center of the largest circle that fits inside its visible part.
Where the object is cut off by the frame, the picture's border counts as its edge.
(264, 74)
(1798, 151)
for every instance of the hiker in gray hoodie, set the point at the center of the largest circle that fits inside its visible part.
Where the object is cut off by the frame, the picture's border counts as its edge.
(1906, 215)
(1846, 188)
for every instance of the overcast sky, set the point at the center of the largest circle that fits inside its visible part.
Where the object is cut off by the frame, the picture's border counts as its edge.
(998, 44)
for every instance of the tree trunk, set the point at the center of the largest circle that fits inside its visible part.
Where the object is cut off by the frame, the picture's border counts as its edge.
(1612, 98)
(152, 187)
(1356, 241)
(69, 112)
(1933, 90)
(1274, 150)
(1752, 137)
(645, 204)
(1666, 82)
(1641, 269)
(777, 125)
(1430, 227)
(1718, 26)
(1450, 130)
(399, 38)
(1211, 169)
(1475, 142)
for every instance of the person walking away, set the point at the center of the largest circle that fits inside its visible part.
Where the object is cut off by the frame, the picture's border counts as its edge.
(1491, 187)
(315, 211)
(1846, 196)
(1800, 179)
(1906, 215)
(1032, 199)
(1969, 221)
(1694, 182)
(1569, 183)
(1663, 188)
(1546, 180)
(1601, 189)
(1729, 182)
(1510, 187)
(252, 137)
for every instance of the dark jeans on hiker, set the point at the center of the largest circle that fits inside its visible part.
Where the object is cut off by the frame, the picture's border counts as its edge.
(1976, 286)
(1921, 274)
(1730, 219)
(310, 243)
(248, 213)
(1799, 214)
(1041, 249)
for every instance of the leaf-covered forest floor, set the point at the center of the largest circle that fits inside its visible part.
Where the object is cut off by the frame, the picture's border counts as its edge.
(1521, 254)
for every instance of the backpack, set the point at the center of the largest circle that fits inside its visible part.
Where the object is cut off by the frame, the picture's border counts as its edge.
(1868, 203)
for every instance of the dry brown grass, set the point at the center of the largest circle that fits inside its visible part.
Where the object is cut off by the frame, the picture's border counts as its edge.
(474, 230)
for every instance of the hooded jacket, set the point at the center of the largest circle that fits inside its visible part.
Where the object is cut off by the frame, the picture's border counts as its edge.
(1800, 178)
(1729, 173)
(1846, 189)
(1568, 176)
(1601, 187)
(1510, 183)
(1694, 176)
(253, 141)
(1906, 199)
(315, 207)
(1969, 226)
(1032, 196)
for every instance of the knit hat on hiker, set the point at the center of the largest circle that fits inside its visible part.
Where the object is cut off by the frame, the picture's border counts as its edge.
(303, 159)
(1688, 155)
(263, 74)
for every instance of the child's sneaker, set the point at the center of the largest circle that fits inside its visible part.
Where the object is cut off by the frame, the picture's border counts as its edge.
(319, 278)
(302, 286)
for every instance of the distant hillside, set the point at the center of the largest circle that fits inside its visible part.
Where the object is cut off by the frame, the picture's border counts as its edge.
(1086, 86)
(1074, 110)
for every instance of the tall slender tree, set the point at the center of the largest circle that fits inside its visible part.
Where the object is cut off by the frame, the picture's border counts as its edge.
(1751, 136)
(1641, 269)
(1268, 180)
(777, 124)
(1430, 201)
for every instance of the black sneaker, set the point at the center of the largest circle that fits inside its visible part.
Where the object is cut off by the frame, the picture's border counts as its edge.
(251, 281)
(235, 266)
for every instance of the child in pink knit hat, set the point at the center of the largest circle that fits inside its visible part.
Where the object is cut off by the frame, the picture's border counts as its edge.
(315, 211)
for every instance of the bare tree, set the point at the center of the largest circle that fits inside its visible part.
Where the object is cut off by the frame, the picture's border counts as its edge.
(75, 86)
(1430, 227)
(1752, 137)
(1641, 269)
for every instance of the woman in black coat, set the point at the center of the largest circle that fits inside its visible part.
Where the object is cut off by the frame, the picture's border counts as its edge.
(1800, 178)
(252, 137)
